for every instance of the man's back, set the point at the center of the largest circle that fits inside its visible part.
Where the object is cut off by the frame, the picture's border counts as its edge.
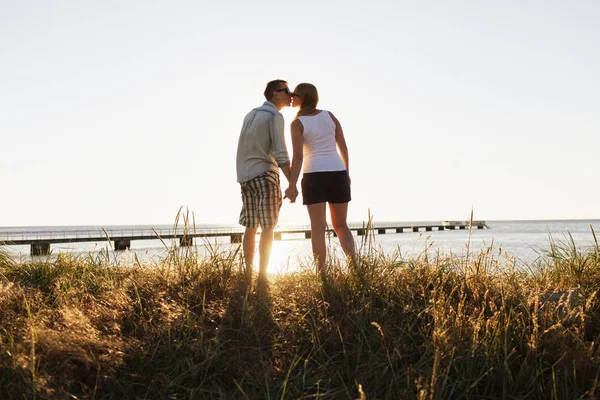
(261, 146)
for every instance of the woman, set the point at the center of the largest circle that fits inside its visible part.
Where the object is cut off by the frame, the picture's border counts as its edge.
(326, 179)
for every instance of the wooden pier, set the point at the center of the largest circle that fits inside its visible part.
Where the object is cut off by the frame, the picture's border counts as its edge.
(40, 241)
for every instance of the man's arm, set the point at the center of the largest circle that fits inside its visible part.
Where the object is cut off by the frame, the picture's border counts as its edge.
(279, 147)
(286, 169)
(298, 158)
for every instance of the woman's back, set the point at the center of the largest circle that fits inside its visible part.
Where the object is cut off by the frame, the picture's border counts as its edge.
(320, 150)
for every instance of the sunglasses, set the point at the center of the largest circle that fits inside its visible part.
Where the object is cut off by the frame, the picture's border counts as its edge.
(286, 90)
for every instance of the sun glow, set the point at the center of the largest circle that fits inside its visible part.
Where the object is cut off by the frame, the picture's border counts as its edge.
(288, 256)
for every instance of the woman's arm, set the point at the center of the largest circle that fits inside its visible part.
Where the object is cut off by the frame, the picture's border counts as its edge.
(340, 140)
(297, 130)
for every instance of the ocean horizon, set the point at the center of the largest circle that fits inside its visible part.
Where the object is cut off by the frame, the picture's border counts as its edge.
(210, 224)
(521, 242)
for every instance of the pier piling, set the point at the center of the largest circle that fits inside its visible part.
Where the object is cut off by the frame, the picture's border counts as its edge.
(122, 244)
(186, 241)
(40, 249)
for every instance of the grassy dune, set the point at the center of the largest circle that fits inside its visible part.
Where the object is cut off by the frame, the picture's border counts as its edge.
(187, 327)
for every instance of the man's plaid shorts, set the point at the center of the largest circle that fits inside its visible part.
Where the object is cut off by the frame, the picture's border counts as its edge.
(261, 201)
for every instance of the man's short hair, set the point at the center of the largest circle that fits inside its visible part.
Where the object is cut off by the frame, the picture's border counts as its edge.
(272, 87)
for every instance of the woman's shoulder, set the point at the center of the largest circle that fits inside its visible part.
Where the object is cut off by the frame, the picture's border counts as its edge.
(317, 112)
(330, 114)
(297, 122)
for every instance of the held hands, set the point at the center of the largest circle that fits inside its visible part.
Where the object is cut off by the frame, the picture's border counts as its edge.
(291, 193)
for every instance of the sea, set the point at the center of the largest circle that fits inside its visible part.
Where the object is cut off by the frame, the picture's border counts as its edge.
(522, 243)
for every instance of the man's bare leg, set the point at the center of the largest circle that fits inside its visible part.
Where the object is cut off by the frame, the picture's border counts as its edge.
(264, 251)
(248, 245)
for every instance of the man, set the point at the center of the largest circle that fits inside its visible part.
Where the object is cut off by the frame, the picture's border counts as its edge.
(261, 153)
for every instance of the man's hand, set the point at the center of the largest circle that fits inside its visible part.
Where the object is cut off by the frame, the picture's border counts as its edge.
(291, 193)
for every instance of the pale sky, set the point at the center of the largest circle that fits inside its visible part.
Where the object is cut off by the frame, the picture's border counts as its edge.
(120, 112)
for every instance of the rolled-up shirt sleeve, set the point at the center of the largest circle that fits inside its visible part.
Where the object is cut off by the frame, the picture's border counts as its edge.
(278, 139)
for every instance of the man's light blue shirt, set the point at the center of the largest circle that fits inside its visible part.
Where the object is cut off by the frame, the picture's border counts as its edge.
(261, 146)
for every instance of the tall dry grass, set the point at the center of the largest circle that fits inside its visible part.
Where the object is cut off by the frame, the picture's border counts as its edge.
(389, 327)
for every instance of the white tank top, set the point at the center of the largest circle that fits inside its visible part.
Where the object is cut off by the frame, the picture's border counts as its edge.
(320, 150)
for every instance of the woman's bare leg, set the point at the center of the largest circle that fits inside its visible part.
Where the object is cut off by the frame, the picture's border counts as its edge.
(339, 213)
(318, 226)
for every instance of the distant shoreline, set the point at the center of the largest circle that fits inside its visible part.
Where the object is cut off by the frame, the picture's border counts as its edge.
(100, 226)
